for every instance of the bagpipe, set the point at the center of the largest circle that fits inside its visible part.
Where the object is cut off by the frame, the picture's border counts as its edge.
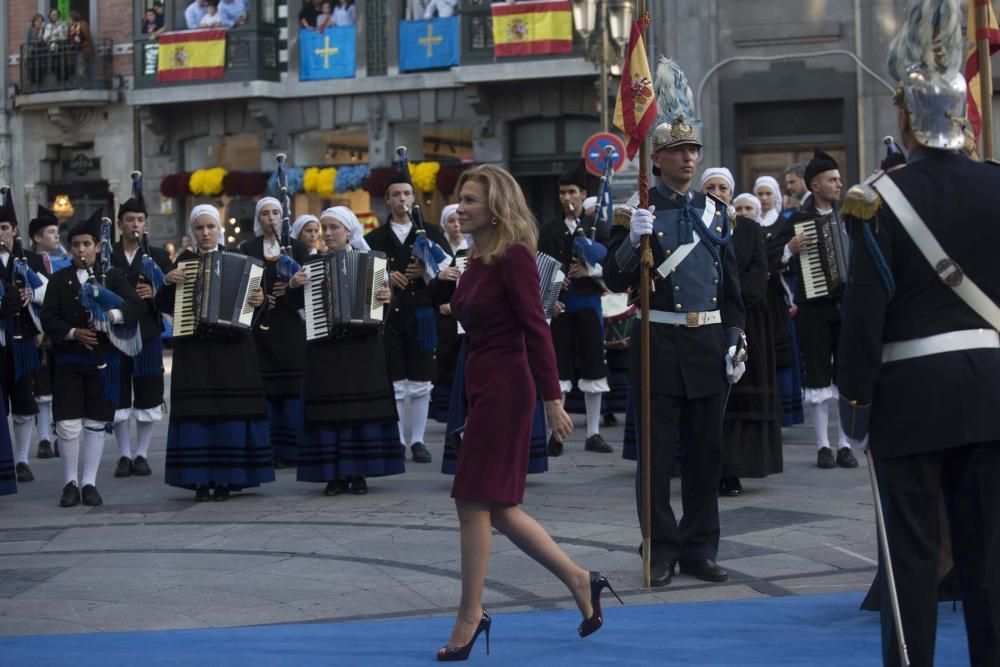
(424, 250)
(286, 265)
(98, 300)
(149, 270)
(22, 277)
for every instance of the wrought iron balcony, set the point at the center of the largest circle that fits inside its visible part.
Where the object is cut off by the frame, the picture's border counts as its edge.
(63, 66)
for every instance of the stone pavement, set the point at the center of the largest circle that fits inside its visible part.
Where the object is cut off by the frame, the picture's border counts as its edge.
(151, 558)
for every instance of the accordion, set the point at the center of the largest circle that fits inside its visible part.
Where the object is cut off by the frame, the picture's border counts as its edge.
(824, 264)
(551, 279)
(216, 292)
(343, 291)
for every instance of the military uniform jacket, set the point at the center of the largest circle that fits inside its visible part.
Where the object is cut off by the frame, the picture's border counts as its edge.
(36, 264)
(944, 400)
(687, 362)
(151, 324)
(62, 310)
(385, 240)
(555, 240)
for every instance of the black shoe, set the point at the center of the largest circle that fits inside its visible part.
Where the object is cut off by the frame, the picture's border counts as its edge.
(845, 458)
(596, 443)
(24, 473)
(609, 419)
(55, 449)
(420, 453)
(730, 486)
(91, 496)
(202, 493)
(335, 488)
(705, 569)
(45, 449)
(124, 467)
(280, 464)
(661, 573)
(221, 494)
(140, 467)
(555, 447)
(70, 495)
(359, 486)
(824, 458)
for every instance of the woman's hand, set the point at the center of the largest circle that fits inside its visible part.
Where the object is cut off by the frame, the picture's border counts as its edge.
(558, 420)
(299, 279)
(279, 289)
(384, 295)
(257, 298)
(175, 277)
(445, 309)
(144, 290)
(399, 281)
(450, 274)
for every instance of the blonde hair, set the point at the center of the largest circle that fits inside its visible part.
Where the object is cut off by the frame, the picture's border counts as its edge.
(512, 219)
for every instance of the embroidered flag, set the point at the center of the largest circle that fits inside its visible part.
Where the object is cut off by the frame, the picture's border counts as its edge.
(191, 55)
(635, 108)
(431, 44)
(327, 55)
(992, 32)
(532, 28)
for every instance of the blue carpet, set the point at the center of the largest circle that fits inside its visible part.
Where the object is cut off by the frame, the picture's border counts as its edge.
(817, 630)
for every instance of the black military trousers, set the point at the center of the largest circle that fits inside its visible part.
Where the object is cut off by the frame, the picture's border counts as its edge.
(911, 489)
(698, 423)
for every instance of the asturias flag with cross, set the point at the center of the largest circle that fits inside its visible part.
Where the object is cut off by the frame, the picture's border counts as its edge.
(327, 55)
(431, 44)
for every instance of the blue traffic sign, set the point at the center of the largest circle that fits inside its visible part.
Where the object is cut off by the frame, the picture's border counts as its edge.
(595, 149)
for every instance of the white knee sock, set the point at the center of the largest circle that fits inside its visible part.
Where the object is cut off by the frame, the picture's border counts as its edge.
(401, 409)
(93, 447)
(69, 448)
(592, 400)
(22, 437)
(44, 421)
(144, 433)
(123, 437)
(419, 406)
(821, 422)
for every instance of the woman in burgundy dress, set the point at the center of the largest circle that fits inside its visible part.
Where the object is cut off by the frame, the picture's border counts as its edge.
(498, 303)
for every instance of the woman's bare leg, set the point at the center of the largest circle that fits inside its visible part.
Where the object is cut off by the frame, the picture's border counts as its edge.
(476, 537)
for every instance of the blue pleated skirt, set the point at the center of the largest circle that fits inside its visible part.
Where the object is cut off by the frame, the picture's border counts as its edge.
(284, 419)
(789, 382)
(332, 451)
(233, 453)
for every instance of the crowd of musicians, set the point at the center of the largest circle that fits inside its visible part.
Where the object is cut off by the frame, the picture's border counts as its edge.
(762, 310)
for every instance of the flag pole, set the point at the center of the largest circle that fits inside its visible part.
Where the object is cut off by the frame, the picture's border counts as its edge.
(645, 264)
(985, 77)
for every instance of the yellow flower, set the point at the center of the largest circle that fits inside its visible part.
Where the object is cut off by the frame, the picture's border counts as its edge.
(425, 175)
(327, 181)
(207, 182)
(310, 181)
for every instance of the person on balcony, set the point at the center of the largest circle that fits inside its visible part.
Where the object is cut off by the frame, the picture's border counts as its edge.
(212, 18)
(233, 12)
(325, 18)
(34, 46)
(55, 33)
(443, 8)
(344, 14)
(152, 24)
(194, 13)
(310, 12)
(81, 46)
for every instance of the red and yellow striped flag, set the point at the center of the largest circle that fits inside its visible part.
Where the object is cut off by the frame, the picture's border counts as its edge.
(992, 33)
(191, 55)
(635, 108)
(532, 28)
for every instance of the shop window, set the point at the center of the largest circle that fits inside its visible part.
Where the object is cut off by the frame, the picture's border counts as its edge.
(239, 152)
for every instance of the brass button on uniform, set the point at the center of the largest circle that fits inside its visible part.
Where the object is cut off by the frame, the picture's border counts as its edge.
(677, 288)
(659, 235)
(677, 306)
(714, 300)
(718, 230)
(715, 282)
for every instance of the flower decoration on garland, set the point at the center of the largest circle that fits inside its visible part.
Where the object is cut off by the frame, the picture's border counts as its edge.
(447, 178)
(175, 186)
(424, 175)
(377, 178)
(244, 184)
(351, 177)
(295, 178)
(320, 181)
(207, 182)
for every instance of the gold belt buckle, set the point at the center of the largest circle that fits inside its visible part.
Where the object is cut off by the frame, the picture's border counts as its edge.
(694, 320)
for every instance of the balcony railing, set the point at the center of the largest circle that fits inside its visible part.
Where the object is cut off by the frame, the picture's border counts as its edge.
(47, 68)
(251, 55)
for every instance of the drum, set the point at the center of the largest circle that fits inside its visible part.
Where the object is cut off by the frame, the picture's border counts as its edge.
(618, 318)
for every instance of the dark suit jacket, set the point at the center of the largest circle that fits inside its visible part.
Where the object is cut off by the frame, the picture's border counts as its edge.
(384, 239)
(150, 325)
(35, 263)
(555, 240)
(944, 400)
(293, 298)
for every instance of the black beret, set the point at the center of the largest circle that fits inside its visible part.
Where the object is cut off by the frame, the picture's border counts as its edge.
(821, 162)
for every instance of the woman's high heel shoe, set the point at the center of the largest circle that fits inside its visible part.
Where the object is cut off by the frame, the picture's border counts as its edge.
(456, 653)
(598, 583)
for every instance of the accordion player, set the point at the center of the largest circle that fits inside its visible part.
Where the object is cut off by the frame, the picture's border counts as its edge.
(551, 279)
(216, 292)
(343, 291)
(824, 261)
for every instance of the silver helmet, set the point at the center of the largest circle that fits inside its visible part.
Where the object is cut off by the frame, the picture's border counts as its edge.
(677, 121)
(926, 59)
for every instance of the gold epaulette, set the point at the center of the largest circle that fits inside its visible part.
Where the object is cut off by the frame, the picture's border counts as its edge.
(622, 215)
(862, 202)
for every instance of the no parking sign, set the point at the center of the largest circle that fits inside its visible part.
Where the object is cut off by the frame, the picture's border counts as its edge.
(594, 150)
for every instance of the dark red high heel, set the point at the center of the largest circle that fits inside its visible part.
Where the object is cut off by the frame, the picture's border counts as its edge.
(598, 583)
(456, 653)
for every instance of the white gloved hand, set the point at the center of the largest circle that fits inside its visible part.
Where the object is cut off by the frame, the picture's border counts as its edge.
(640, 224)
(860, 445)
(734, 371)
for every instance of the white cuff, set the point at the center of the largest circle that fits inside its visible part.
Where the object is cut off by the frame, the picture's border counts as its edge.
(116, 316)
(69, 336)
(786, 255)
(595, 271)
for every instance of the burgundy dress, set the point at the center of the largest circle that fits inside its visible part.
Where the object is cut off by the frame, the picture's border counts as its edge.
(509, 348)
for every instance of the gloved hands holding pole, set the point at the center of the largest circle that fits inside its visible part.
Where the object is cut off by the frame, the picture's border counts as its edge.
(640, 224)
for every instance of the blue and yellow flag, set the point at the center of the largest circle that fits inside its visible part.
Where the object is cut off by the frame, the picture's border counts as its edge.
(431, 44)
(327, 55)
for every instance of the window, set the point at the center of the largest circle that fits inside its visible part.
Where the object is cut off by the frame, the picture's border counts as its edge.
(240, 152)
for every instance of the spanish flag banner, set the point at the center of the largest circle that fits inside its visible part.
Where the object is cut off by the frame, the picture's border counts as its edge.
(992, 33)
(532, 28)
(191, 55)
(635, 108)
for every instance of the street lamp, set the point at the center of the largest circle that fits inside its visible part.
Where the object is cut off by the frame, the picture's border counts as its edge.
(615, 19)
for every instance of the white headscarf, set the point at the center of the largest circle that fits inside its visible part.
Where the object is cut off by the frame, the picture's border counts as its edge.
(771, 183)
(301, 222)
(718, 172)
(746, 196)
(205, 209)
(355, 229)
(588, 203)
(257, 229)
(447, 211)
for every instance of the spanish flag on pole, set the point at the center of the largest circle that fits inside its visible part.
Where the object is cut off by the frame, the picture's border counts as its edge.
(992, 33)
(635, 108)
(191, 55)
(532, 28)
